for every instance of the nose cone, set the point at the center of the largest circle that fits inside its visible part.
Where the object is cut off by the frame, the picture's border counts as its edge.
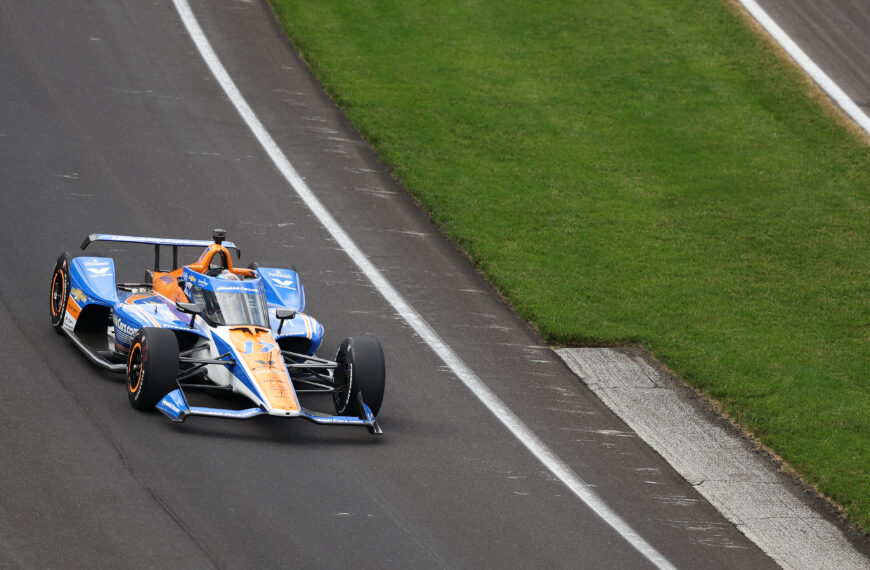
(263, 362)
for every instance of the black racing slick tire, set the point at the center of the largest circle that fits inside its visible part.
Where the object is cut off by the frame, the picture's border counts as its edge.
(152, 367)
(360, 369)
(60, 291)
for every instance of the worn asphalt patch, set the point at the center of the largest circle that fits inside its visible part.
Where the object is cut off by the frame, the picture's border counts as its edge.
(719, 463)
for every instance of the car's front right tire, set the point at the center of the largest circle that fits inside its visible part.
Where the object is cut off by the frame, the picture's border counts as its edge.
(152, 367)
(360, 369)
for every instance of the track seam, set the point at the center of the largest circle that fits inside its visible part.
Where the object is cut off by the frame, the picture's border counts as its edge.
(462, 371)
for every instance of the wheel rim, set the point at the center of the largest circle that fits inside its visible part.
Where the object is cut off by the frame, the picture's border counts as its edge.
(57, 288)
(134, 374)
(342, 395)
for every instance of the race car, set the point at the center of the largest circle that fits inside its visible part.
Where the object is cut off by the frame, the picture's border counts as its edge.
(211, 326)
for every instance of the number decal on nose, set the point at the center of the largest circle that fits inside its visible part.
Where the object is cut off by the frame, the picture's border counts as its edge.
(261, 347)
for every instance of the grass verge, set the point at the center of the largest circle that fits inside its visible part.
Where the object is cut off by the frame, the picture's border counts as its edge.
(645, 171)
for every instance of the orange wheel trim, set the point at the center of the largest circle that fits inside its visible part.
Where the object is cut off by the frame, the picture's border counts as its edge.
(136, 347)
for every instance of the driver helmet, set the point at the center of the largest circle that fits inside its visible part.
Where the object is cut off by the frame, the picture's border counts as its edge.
(228, 275)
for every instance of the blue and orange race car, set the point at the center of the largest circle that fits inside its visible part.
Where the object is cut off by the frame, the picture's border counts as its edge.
(211, 326)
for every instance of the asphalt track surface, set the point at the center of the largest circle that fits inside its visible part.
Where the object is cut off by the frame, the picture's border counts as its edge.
(110, 122)
(835, 34)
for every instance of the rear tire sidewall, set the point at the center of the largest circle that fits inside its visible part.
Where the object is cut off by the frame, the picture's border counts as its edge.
(152, 367)
(60, 287)
(361, 369)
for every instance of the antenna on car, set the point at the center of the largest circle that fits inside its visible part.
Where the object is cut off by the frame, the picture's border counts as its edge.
(219, 236)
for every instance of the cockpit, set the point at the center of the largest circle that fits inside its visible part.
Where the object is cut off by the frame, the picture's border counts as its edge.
(229, 302)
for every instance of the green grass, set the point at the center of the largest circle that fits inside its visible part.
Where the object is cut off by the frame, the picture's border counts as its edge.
(635, 171)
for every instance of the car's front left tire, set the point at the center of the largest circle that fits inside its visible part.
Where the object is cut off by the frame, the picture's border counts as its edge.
(152, 367)
(59, 291)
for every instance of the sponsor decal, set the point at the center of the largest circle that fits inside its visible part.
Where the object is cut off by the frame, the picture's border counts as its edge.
(95, 262)
(283, 283)
(239, 288)
(79, 295)
(99, 271)
(125, 329)
(233, 413)
(339, 420)
(171, 406)
(280, 273)
(72, 308)
(160, 241)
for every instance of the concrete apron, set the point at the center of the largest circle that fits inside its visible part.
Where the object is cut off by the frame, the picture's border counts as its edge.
(738, 480)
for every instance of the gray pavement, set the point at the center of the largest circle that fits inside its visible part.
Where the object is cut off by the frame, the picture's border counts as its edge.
(110, 122)
(835, 34)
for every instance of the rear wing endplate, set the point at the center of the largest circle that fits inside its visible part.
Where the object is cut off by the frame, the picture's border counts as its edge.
(157, 242)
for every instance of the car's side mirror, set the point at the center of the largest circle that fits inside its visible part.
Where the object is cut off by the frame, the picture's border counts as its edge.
(189, 308)
(192, 309)
(282, 315)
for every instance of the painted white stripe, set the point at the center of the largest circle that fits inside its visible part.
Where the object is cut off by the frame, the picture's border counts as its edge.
(143, 314)
(802, 59)
(408, 313)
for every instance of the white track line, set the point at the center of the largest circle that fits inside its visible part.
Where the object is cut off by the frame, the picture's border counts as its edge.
(534, 444)
(802, 59)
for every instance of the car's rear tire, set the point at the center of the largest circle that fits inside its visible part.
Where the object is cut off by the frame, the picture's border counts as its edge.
(152, 367)
(360, 369)
(60, 291)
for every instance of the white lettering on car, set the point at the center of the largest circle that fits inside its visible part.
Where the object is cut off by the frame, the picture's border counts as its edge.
(124, 329)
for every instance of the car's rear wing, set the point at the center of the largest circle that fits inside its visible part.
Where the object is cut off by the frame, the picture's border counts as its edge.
(157, 242)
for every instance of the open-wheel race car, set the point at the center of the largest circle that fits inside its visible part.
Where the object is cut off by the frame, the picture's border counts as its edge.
(212, 326)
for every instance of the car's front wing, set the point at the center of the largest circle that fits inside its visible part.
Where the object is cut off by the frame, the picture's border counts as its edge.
(174, 406)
